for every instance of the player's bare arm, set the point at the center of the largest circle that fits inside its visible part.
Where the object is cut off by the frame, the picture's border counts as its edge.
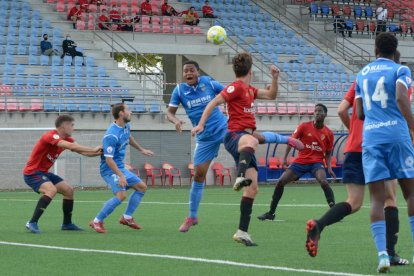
(359, 109)
(271, 92)
(328, 158)
(80, 149)
(343, 109)
(206, 114)
(404, 105)
(141, 149)
(287, 151)
(171, 111)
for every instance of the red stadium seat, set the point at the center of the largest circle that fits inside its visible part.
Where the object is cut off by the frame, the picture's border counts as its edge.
(347, 10)
(134, 10)
(2, 104)
(274, 163)
(390, 13)
(80, 25)
(372, 27)
(303, 108)
(145, 19)
(12, 104)
(146, 28)
(177, 21)
(360, 26)
(271, 108)
(197, 30)
(166, 20)
(261, 161)
(220, 172)
(186, 29)
(137, 27)
(155, 20)
(124, 10)
(261, 109)
(292, 109)
(156, 28)
(281, 108)
(166, 29)
(152, 172)
(177, 30)
(170, 171)
(60, 7)
(36, 105)
(311, 108)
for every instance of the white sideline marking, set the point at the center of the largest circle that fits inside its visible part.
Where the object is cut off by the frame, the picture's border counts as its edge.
(183, 258)
(186, 203)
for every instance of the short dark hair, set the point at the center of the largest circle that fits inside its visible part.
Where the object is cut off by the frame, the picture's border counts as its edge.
(116, 108)
(386, 44)
(62, 119)
(192, 62)
(242, 63)
(44, 35)
(325, 109)
(397, 56)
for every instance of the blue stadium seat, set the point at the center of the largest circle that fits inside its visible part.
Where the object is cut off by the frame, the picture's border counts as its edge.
(67, 71)
(326, 59)
(33, 60)
(102, 83)
(54, 82)
(56, 70)
(295, 67)
(79, 71)
(114, 83)
(44, 60)
(298, 76)
(84, 106)
(312, 68)
(302, 87)
(317, 77)
(304, 68)
(33, 50)
(21, 49)
(67, 82)
(20, 68)
(368, 12)
(49, 105)
(7, 80)
(90, 61)
(67, 60)
(344, 78)
(106, 108)
(90, 71)
(19, 80)
(322, 68)
(78, 61)
(96, 107)
(8, 69)
(71, 107)
(155, 107)
(313, 9)
(56, 60)
(30, 81)
(90, 82)
(137, 108)
(101, 72)
(10, 49)
(358, 11)
(79, 82)
(339, 68)
(331, 68)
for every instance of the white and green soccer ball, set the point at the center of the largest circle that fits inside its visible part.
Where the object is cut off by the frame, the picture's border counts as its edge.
(216, 35)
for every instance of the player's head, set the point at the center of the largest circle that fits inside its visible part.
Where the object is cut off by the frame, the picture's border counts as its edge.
(385, 45)
(120, 111)
(65, 124)
(242, 64)
(191, 71)
(397, 57)
(320, 112)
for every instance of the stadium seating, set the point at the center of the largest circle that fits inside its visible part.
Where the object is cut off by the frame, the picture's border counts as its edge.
(152, 172)
(220, 172)
(170, 172)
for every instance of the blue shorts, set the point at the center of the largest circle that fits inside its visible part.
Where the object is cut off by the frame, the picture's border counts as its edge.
(36, 179)
(301, 169)
(231, 143)
(112, 180)
(208, 150)
(388, 161)
(352, 171)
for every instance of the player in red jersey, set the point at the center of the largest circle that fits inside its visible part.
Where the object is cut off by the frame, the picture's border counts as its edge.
(37, 175)
(241, 141)
(353, 178)
(318, 140)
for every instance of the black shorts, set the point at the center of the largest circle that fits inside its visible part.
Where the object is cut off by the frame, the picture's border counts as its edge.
(352, 170)
(36, 179)
(231, 143)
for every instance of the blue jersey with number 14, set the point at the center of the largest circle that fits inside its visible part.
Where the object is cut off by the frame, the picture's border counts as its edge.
(376, 86)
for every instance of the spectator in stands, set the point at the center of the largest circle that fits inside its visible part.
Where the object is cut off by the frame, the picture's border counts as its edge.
(339, 24)
(128, 25)
(46, 47)
(97, 2)
(191, 17)
(208, 10)
(69, 48)
(146, 8)
(75, 14)
(103, 20)
(168, 10)
(381, 18)
(114, 14)
(84, 5)
(136, 18)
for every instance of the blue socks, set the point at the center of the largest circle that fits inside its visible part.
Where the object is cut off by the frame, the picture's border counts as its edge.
(108, 208)
(411, 222)
(378, 233)
(196, 193)
(133, 202)
(273, 137)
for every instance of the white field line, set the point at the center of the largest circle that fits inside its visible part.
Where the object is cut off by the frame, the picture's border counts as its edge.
(186, 203)
(181, 258)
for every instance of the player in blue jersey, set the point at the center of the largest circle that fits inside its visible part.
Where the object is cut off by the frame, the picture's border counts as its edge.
(387, 150)
(113, 170)
(194, 95)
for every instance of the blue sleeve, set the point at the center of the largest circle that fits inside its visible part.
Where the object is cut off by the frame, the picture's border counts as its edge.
(217, 87)
(109, 145)
(357, 89)
(404, 76)
(42, 46)
(175, 97)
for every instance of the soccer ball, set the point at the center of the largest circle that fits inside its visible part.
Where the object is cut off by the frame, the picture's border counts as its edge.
(216, 35)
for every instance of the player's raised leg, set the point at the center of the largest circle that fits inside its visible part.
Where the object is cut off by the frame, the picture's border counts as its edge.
(67, 206)
(273, 137)
(247, 145)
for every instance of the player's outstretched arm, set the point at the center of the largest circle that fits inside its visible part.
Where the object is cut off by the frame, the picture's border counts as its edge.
(80, 149)
(171, 111)
(135, 144)
(343, 109)
(206, 114)
(404, 105)
(271, 92)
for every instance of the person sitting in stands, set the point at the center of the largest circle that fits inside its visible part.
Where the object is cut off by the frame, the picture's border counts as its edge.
(146, 8)
(168, 10)
(75, 14)
(208, 11)
(46, 47)
(103, 20)
(69, 48)
(191, 17)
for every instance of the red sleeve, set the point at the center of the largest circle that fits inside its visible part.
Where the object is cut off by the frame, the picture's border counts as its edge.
(255, 91)
(51, 138)
(230, 93)
(298, 132)
(195, 15)
(410, 93)
(331, 141)
(350, 95)
(204, 9)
